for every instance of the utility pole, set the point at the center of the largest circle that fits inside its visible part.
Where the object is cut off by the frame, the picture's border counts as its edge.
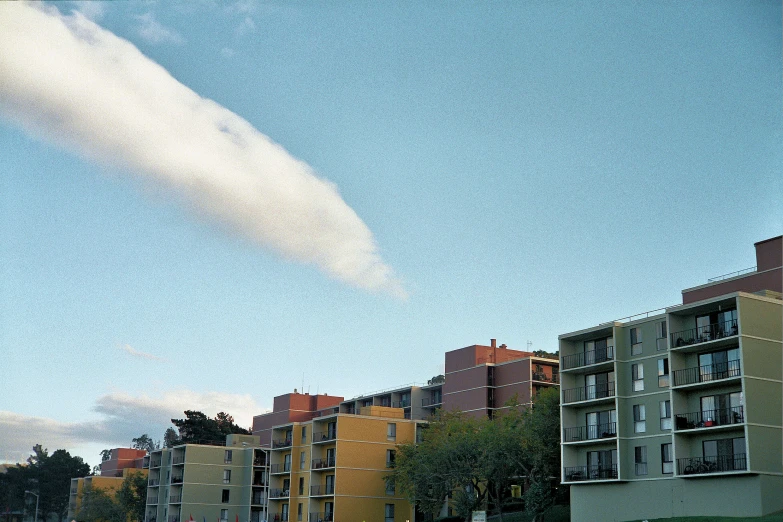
(36, 504)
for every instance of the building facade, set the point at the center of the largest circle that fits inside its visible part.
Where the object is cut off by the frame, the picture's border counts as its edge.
(678, 412)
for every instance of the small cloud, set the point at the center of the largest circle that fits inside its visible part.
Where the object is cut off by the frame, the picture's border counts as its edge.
(227, 52)
(135, 353)
(246, 26)
(155, 33)
(91, 10)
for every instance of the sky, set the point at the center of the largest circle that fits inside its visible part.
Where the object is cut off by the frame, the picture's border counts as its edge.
(206, 204)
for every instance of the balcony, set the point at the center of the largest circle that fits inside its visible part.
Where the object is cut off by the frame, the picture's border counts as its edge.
(259, 462)
(258, 499)
(261, 482)
(709, 418)
(179, 460)
(284, 467)
(707, 465)
(401, 404)
(284, 443)
(321, 490)
(176, 480)
(323, 436)
(592, 432)
(583, 473)
(323, 463)
(155, 463)
(175, 499)
(278, 493)
(280, 517)
(703, 334)
(321, 517)
(153, 482)
(152, 500)
(542, 377)
(707, 373)
(578, 360)
(588, 393)
(430, 402)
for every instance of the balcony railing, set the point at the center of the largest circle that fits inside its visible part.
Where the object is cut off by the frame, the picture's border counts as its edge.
(579, 473)
(718, 464)
(323, 463)
(280, 517)
(154, 482)
(586, 393)
(321, 517)
(587, 358)
(284, 467)
(595, 431)
(702, 334)
(707, 373)
(258, 500)
(176, 480)
(175, 499)
(321, 436)
(179, 460)
(279, 493)
(541, 376)
(401, 404)
(261, 481)
(431, 401)
(284, 443)
(259, 462)
(321, 489)
(709, 418)
(155, 464)
(152, 500)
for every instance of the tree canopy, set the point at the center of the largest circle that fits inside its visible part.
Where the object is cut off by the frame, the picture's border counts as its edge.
(196, 427)
(145, 442)
(475, 461)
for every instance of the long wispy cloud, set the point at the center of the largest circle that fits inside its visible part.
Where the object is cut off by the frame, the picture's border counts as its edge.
(121, 418)
(64, 78)
(130, 350)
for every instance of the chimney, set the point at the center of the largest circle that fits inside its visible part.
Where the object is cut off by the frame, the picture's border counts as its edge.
(503, 346)
(493, 343)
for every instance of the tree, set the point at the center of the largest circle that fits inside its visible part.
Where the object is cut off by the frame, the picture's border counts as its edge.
(105, 455)
(170, 438)
(145, 442)
(132, 496)
(98, 505)
(197, 427)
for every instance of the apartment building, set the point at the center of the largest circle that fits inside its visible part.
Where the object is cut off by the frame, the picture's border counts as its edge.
(679, 412)
(211, 483)
(480, 380)
(121, 462)
(332, 466)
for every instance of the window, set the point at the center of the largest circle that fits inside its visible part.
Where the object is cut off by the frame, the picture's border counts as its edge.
(302, 458)
(660, 342)
(389, 487)
(299, 511)
(602, 464)
(721, 409)
(284, 512)
(637, 371)
(330, 455)
(223, 515)
(719, 365)
(331, 430)
(636, 341)
(287, 462)
(639, 418)
(226, 476)
(663, 373)
(598, 350)
(640, 460)
(329, 484)
(304, 437)
(598, 385)
(666, 415)
(301, 486)
(601, 424)
(226, 494)
(229, 457)
(391, 431)
(390, 456)
(388, 513)
(667, 459)
(725, 454)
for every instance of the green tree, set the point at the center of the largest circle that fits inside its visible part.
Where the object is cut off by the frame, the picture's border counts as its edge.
(170, 438)
(132, 496)
(145, 442)
(197, 427)
(98, 505)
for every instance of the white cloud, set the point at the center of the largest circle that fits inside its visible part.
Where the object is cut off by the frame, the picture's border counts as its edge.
(91, 9)
(67, 80)
(122, 417)
(135, 353)
(154, 32)
(246, 26)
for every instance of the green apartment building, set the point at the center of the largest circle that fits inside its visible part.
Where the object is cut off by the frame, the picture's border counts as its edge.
(679, 412)
(209, 483)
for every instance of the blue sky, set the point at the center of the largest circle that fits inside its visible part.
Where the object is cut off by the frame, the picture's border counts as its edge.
(512, 170)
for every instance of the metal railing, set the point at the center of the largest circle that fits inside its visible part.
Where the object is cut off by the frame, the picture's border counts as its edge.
(155, 464)
(284, 467)
(702, 334)
(152, 500)
(261, 482)
(321, 489)
(542, 377)
(594, 431)
(321, 517)
(321, 436)
(281, 443)
(718, 464)
(431, 401)
(179, 460)
(258, 500)
(709, 418)
(323, 463)
(708, 373)
(579, 473)
(732, 274)
(587, 358)
(154, 482)
(279, 493)
(259, 462)
(280, 517)
(586, 393)
(176, 480)
(175, 499)
(401, 404)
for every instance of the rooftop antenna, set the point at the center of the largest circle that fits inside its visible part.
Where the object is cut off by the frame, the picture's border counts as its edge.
(529, 345)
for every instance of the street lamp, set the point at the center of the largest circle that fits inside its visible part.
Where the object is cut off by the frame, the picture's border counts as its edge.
(36, 504)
